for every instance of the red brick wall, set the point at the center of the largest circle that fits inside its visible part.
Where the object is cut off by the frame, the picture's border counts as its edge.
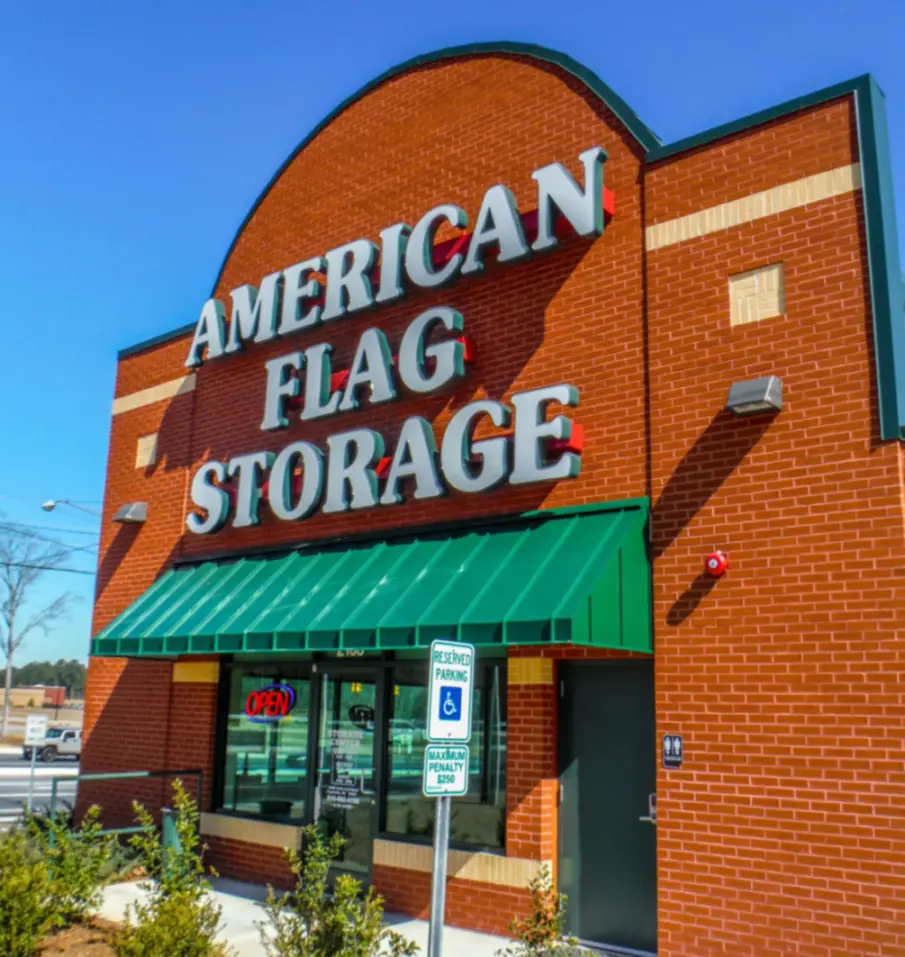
(786, 826)
(138, 719)
(781, 151)
(127, 713)
(243, 861)
(472, 904)
(783, 830)
(193, 726)
(132, 556)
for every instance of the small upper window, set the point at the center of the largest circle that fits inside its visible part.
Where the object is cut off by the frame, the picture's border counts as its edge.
(757, 294)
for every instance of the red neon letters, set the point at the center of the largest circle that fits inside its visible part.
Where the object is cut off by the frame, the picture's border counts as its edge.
(270, 704)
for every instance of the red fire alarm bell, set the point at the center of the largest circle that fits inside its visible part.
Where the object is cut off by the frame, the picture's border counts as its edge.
(716, 564)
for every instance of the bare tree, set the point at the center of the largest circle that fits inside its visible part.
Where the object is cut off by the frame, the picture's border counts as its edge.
(24, 559)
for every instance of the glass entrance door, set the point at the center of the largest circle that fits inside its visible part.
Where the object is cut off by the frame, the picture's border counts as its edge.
(345, 792)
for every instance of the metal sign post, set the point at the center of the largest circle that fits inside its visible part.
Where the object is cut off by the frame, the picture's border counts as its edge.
(35, 733)
(438, 878)
(449, 700)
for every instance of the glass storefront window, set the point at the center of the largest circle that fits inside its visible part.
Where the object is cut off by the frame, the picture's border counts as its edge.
(275, 769)
(266, 760)
(478, 818)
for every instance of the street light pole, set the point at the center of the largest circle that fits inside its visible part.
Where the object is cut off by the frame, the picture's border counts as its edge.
(50, 505)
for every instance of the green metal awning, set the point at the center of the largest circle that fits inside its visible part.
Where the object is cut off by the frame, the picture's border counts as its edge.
(572, 575)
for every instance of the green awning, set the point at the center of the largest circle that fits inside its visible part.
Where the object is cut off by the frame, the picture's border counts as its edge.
(579, 576)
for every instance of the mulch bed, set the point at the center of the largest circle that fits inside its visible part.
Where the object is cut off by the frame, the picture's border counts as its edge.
(85, 940)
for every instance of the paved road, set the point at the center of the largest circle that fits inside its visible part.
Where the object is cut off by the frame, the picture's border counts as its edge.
(14, 775)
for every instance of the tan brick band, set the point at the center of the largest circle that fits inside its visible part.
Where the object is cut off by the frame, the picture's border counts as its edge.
(157, 393)
(264, 833)
(530, 671)
(196, 672)
(463, 865)
(779, 199)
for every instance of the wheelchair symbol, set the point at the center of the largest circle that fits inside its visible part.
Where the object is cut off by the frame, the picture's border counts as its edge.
(450, 703)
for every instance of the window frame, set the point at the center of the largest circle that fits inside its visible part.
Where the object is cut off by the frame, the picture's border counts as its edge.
(283, 668)
(487, 666)
(384, 667)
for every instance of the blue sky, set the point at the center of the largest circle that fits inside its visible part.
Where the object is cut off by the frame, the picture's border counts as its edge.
(137, 135)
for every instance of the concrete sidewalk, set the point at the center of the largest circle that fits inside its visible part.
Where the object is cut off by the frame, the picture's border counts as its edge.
(241, 905)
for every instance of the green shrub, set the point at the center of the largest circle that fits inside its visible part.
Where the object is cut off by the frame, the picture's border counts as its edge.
(311, 922)
(180, 925)
(40, 819)
(178, 919)
(124, 864)
(76, 860)
(540, 934)
(26, 906)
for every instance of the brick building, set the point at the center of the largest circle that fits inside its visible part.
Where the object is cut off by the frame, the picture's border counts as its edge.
(523, 420)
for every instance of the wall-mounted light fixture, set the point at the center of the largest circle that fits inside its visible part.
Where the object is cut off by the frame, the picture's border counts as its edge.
(132, 513)
(755, 396)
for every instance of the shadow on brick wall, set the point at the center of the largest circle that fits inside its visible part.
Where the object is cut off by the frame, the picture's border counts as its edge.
(123, 540)
(144, 722)
(715, 455)
(686, 603)
(127, 733)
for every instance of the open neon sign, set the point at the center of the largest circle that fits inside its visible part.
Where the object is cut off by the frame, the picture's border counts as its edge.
(270, 704)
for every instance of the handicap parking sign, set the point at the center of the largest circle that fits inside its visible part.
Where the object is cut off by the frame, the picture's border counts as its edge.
(450, 703)
(450, 692)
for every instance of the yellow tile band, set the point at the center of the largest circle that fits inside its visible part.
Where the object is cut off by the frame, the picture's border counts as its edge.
(531, 671)
(264, 833)
(196, 672)
(157, 393)
(463, 865)
(779, 199)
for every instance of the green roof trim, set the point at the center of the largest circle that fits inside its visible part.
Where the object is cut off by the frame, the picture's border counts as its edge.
(156, 341)
(825, 95)
(886, 288)
(572, 576)
(884, 266)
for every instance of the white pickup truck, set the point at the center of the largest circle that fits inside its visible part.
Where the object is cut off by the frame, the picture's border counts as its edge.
(58, 743)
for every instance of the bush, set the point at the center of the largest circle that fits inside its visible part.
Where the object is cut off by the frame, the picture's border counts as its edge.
(540, 934)
(41, 820)
(124, 864)
(310, 922)
(77, 861)
(178, 919)
(26, 906)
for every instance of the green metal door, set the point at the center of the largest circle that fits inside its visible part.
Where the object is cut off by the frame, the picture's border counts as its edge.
(608, 853)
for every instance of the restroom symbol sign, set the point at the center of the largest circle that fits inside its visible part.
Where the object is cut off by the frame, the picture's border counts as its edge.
(450, 701)
(450, 692)
(673, 750)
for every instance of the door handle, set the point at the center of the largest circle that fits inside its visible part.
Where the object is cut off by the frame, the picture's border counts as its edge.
(651, 816)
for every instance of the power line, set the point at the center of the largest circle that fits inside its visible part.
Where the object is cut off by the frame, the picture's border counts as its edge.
(52, 541)
(46, 568)
(69, 529)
